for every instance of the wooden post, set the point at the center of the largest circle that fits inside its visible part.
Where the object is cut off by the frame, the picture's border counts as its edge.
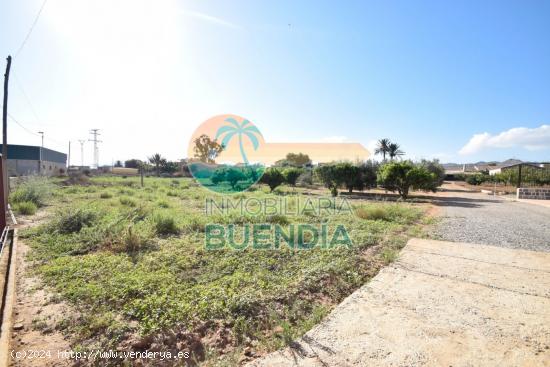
(4, 166)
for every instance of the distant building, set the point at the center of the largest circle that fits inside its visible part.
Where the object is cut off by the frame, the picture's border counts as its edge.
(515, 166)
(24, 160)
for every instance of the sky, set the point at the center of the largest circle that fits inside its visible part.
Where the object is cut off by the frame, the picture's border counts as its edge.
(461, 81)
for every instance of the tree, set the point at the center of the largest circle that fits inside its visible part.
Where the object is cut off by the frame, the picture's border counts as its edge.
(436, 168)
(402, 176)
(369, 171)
(245, 128)
(273, 178)
(157, 160)
(327, 175)
(118, 164)
(133, 163)
(298, 159)
(206, 149)
(233, 176)
(347, 175)
(169, 167)
(291, 175)
(394, 151)
(383, 148)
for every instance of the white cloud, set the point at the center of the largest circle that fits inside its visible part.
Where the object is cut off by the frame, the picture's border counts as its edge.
(518, 137)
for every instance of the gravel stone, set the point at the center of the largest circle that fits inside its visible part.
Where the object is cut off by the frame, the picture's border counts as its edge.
(481, 218)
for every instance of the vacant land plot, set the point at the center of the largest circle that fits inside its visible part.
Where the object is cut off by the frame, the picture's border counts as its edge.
(131, 264)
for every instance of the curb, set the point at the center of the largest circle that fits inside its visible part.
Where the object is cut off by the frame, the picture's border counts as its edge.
(9, 299)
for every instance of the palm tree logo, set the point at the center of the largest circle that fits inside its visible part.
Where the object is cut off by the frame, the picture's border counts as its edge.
(234, 128)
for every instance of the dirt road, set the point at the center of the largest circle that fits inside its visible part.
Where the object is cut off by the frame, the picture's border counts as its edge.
(492, 220)
(439, 304)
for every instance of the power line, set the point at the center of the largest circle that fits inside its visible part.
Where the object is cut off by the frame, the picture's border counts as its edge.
(21, 125)
(27, 99)
(30, 29)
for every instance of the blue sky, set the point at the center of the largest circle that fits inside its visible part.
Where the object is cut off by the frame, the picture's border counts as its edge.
(462, 81)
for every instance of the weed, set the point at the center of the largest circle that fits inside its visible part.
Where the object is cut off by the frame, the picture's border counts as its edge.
(165, 224)
(34, 189)
(25, 207)
(105, 195)
(124, 200)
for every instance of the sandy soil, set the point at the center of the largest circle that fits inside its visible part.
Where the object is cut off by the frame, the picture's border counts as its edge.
(38, 314)
(440, 304)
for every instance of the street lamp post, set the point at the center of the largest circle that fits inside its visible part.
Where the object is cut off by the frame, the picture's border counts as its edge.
(41, 147)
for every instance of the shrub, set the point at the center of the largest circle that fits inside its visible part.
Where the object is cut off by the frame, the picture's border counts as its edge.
(35, 189)
(273, 178)
(163, 204)
(477, 179)
(105, 195)
(72, 220)
(291, 175)
(165, 224)
(402, 176)
(127, 201)
(436, 168)
(305, 178)
(25, 207)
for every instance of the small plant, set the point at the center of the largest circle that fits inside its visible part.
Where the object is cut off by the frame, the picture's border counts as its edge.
(72, 220)
(163, 204)
(372, 213)
(388, 255)
(165, 224)
(25, 208)
(105, 195)
(127, 201)
(35, 189)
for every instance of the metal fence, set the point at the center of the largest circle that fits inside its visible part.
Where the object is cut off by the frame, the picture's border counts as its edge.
(524, 175)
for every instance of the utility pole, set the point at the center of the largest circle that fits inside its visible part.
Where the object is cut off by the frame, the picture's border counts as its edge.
(95, 134)
(4, 181)
(69, 156)
(81, 152)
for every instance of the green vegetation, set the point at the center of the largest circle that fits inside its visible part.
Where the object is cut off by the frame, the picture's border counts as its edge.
(273, 177)
(404, 176)
(25, 207)
(33, 189)
(133, 271)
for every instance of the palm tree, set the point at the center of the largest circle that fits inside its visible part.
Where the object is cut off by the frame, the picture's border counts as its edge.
(394, 151)
(244, 128)
(383, 148)
(158, 161)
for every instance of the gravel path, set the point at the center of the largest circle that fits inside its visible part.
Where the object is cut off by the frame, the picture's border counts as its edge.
(481, 218)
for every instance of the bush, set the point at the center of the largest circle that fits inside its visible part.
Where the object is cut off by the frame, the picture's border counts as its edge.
(477, 179)
(35, 189)
(402, 176)
(165, 224)
(72, 220)
(291, 175)
(25, 208)
(127, 201)
(436, 168)
(105, 195)
(273, 178)
(305, 178)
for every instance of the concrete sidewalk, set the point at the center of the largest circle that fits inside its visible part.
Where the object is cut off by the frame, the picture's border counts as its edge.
(439, 304)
